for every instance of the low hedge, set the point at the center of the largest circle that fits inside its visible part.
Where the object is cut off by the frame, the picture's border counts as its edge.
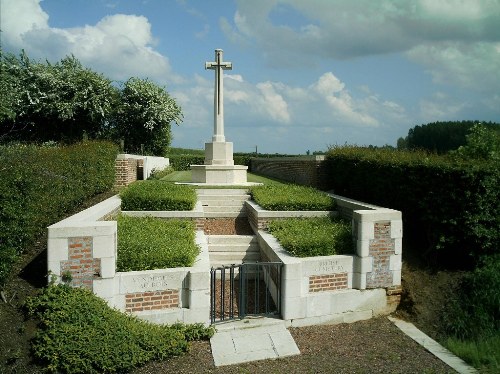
(182, 162)
(308, 237)
(147, 243)
(80, 333)
(450, 206)
(41, 184)
(290, 197)
(157, 195)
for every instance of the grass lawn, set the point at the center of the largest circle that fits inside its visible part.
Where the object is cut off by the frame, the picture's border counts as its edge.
(185, 176)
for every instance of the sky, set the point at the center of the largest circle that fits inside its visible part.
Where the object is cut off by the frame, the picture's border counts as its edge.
(307, 74)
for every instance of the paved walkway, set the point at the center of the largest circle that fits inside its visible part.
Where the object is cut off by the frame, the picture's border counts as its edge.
(250, 340)
(432, 346)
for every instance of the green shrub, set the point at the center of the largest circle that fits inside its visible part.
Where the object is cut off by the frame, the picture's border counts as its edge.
(157, 195)
(40, 184)
(146, 243)
(291, 198)
(483, 354)
(80, 333)
(308, 237)
(157, 175)
(181, 162)
(449, 206)
(474, 313)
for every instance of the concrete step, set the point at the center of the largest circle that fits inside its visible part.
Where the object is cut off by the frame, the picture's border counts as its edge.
(218, 264)
(234, 257)
(221, 191)
(228, 239)
(217, 198)
(222, 209)
(212, 248)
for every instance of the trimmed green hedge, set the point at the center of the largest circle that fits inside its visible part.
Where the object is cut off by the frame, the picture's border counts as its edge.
(308, 237)
(290, 197)
(80, 333)
(40, 184)
(453, 205)
(147, 243)
(157, 195)
(181, 162)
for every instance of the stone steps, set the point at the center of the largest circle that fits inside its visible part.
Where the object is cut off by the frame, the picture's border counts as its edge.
(232, 249)
(223, 203)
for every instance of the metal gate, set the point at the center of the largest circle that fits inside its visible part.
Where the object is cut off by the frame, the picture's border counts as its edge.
(247, 289)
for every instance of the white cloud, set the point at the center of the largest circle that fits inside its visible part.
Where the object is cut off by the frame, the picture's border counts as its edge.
(456, 40)
(273, 103)
(120, 46)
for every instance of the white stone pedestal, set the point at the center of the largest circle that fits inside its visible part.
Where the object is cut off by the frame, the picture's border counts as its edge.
(219, 153)
(219, 174)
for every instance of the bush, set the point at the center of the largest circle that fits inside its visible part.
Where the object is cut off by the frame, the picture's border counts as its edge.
(474, 313)
(157, 175)
(451, 206)
(41, 184)
(80, 333)
(181, 162)
(153, 195)
(307, 237)
(291, 198)
(152, 243)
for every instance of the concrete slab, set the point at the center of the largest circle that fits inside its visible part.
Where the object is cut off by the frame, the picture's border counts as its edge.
(434, 347)
(251, 340)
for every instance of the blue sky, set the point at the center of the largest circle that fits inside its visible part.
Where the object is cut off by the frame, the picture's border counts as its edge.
(306, 74)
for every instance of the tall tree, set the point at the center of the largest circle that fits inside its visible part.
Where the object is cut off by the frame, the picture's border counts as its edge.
(145, 115)
(60, 101)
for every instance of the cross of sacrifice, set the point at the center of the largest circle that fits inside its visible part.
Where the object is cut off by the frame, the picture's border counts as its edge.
(219, 66)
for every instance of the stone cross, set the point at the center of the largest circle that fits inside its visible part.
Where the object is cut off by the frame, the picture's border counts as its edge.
(219, 66)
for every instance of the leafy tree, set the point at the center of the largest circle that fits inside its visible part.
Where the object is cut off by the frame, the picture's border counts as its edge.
(439, 137)
(10, 88)
(144, 117)
(59, 101)
(482, 143)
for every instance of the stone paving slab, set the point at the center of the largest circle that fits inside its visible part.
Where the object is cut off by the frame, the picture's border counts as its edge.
(251, 340)
(432, 346)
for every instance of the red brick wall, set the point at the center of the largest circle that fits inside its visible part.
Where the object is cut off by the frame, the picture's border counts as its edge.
(327, 282)
(126, 171)
(381, 248)
(81, 265)
(141, 301)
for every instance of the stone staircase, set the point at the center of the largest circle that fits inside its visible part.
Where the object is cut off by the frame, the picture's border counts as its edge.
(223, 203)
(228, 249)
(232, 249)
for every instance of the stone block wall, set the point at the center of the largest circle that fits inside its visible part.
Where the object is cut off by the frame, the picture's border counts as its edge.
(304, 170)
(129, 168)
(82, 251)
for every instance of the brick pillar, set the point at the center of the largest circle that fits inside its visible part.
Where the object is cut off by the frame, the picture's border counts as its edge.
(81, 266)
(381, 248)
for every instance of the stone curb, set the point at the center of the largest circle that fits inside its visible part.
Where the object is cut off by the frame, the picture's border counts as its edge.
(433, 347)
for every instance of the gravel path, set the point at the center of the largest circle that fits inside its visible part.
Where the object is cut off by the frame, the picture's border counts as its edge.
(373, 346)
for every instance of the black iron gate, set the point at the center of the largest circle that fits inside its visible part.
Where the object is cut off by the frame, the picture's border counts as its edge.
(247, 289)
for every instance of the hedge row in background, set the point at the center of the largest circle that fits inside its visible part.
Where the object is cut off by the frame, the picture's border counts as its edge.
(148, 243)
(80, 333)
(181, 162)
(290, 197)
(307, 237)
(454, 205)
(40, 184)
(157, 195)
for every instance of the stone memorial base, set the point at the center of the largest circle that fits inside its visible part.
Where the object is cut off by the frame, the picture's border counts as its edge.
(219, 174)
